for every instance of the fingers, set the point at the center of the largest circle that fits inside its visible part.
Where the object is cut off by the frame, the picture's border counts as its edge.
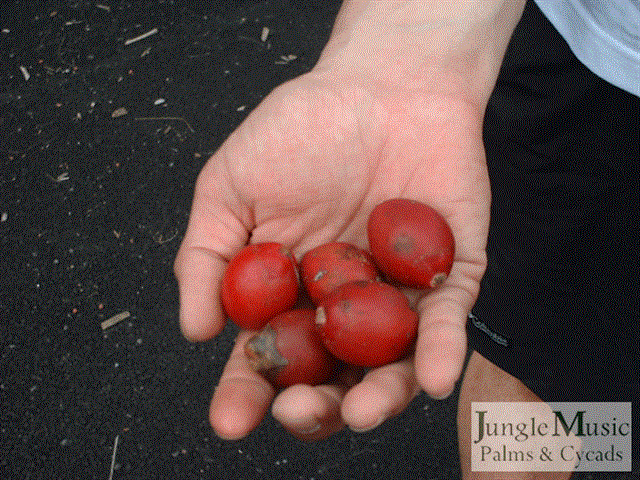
(309, 413)
(383, 392)
(312, 413)
(242, 396)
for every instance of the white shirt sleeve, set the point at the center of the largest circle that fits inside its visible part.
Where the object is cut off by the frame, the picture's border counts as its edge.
(603, 34)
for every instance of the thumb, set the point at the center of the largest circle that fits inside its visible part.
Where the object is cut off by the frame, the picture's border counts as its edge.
(215, 233)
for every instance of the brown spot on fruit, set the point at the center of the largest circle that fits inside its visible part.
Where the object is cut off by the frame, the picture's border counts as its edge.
(404, 244)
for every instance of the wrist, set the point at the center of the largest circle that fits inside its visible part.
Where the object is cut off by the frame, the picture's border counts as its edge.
(453, 47)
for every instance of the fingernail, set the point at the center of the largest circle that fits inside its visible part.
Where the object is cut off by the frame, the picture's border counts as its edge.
(369, 427)
(308, 431)
(442, 397)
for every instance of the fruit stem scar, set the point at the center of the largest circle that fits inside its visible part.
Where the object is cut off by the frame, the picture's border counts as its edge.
(262, 352)
(321, 316)
(319, 275)
(285, 251)
(438, 279)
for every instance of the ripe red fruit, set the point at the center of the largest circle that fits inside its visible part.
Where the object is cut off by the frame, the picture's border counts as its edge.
(367, 323)
(328, 266)
(260, 282)
(289, 350)
(411, 243)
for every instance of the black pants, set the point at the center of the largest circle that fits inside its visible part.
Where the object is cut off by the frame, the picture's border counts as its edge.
(558, 307)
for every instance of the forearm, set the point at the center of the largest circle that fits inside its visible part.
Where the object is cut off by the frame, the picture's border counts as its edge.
(452, 46)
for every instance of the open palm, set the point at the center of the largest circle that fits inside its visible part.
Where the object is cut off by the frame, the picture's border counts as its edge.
(306, 167)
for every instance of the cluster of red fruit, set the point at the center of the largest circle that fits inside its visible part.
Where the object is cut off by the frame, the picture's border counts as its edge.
(359, 319)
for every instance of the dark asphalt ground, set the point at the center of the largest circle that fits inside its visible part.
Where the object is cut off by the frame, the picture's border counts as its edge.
(101, 141)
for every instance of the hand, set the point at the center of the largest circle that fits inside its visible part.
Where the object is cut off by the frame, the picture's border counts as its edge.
(306, 167)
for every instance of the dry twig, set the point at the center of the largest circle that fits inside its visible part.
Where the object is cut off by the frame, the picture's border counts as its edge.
(113, 457)
(110, 322)
(153, 31)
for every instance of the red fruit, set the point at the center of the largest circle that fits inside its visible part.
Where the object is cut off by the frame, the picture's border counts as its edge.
(260, 282)
(367, 323)
(411, 243)
(328, 266)
(289, 350)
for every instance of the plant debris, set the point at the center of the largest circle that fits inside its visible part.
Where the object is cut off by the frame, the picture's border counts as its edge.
(153, 31)
(111, 321)
(167, 118)
(119, 112)
(113, 457)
